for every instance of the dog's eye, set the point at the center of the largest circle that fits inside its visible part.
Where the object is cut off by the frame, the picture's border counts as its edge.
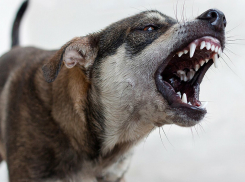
(150, 28)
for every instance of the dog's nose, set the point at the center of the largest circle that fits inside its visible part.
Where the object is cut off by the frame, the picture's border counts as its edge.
(215, 17)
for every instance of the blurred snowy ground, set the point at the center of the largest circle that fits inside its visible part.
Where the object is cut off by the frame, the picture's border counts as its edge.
(212, 151)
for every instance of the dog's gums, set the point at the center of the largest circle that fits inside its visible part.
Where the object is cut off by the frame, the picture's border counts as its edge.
(184, 72)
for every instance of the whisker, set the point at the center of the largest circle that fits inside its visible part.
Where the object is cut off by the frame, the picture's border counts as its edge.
(234, 39)
(167, 137)
(177, 11)
(231, 52)
(232, 29)
(201, 127)
(192, 135)
(196, 131)
(161, 138)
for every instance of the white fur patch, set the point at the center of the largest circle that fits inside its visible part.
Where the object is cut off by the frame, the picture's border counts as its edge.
(129, 95)
(155, 15)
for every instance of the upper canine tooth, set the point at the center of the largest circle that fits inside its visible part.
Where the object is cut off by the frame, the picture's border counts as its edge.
(202, 62)
(180, 53)
(215, 60)
(184, 98)
(216, 49)
(192, 49)
(208, 46)
(185, 51)
(197, 66)
(202, 45)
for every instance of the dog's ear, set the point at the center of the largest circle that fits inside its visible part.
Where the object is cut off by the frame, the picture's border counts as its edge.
(79, 51)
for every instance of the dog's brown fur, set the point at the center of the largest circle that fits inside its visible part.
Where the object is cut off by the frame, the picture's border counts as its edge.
(75, 113)
(53, 136)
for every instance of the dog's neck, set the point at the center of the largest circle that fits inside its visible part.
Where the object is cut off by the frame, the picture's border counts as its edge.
(71, 88)
(85, 132)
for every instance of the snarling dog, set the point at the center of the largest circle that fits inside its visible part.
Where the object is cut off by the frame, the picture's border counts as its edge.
(76, 113)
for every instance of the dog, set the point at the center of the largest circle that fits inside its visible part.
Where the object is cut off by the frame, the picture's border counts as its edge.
(75, 114)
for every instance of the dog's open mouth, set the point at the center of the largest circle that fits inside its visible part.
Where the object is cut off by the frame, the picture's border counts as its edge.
(179, 78)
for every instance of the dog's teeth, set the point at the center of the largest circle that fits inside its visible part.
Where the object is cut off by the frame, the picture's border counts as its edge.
(179, 94)
(184, 98)
(207, 60)
(216, 49)
(192, 49)
(212, 47)
(181, 77)
(180, 53)
(197, 66)
(186, 51)
(219, 51)
(189, 103)
(192, 73)
(202, 45)
(185, 78)
(189, 74)
(215, 60)
(204, 105)
(202, 62)
(180, 72)
(208, 46)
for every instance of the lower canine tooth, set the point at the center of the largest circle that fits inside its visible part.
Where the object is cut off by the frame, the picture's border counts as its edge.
(184, 98)
(204, 105)
(206, 60)
(215, 60)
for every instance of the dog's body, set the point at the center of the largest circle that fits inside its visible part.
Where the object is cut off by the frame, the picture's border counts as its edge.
(83, 125)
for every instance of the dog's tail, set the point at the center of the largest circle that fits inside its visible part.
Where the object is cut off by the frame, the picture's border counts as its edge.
(16, 25)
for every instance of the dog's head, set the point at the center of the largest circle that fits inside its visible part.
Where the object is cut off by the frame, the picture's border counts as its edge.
(145, 70)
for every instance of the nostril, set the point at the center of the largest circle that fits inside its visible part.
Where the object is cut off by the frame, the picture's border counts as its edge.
(214, 15)
(224, 21)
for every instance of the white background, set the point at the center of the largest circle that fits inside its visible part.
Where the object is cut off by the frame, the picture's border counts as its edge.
(212, 151)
